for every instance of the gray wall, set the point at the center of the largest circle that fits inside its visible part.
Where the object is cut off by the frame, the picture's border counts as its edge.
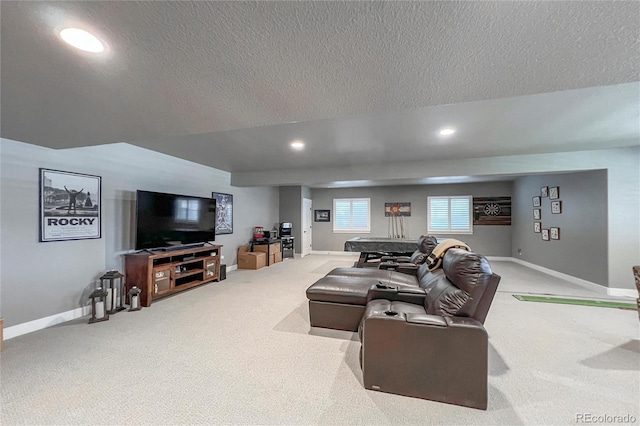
(43, 279)
(491, 240)
(291, 211)
(582, 249)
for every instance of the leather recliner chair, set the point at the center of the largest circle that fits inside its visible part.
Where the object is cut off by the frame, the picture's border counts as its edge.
(408, 265)
(437, 350)
(426, 244)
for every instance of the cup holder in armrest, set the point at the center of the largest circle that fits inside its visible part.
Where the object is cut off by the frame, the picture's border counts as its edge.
(390, 313)
(381, 291)
(389, 266)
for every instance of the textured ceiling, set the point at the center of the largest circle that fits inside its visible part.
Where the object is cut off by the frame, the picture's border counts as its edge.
(217, 82)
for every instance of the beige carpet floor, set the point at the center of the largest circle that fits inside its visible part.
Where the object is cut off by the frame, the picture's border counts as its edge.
(241, 352)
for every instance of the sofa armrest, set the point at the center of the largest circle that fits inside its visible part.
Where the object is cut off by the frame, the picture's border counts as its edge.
(426, 356)
(413, 295)
(381, 291)
(396, 259)
(408, 268)
(426, 319)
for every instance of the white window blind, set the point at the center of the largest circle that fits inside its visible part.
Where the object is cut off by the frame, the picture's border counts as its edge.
(351, 215)
(449, 215)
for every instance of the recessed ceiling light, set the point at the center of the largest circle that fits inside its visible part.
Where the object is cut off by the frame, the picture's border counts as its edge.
(297, 145)
(448, 131)
(82, 40)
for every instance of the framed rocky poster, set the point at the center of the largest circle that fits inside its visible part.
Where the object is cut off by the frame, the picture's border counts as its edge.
(70, 206)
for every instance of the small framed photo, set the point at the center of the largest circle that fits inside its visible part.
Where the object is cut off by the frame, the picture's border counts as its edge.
(322, 216)
(556, 207)
(537, 214)
(545, 234)
(536, 201)
(544, 191)
(537, 226)
(555, 233)
(554, 193)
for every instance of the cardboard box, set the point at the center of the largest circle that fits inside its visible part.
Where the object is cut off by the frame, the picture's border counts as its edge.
(244, 249)
(248, 260)
(278, 257)
(272, 259)
(272, 248)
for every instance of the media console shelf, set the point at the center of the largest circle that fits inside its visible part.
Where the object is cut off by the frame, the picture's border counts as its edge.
(160, 273)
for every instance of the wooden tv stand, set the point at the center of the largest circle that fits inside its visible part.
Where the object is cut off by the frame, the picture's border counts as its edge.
(159, 273)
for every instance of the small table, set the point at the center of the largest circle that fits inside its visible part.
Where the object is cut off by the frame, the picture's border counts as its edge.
(287, 246)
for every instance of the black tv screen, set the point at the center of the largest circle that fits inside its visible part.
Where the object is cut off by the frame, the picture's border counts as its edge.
(171, 220)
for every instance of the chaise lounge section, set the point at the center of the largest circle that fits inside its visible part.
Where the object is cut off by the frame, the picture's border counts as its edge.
(338, 300)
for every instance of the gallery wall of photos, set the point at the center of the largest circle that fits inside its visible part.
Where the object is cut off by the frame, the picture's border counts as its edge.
(545, 206)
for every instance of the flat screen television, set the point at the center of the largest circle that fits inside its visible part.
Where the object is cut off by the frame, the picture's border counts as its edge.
(171, 220)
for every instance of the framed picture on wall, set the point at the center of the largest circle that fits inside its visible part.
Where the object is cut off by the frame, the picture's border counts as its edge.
(554, 193)
(554, 233)
(556, 207)
(70, 206)
(537, 226)
(224, 212)
(544, 191)
(536, 202)
(545, 234)
(322, 216)
(536, 214)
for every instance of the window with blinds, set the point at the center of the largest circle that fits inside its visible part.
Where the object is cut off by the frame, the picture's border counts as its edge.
(351, 215)
(449, 215)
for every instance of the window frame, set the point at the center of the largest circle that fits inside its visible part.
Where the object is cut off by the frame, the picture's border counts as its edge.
(468, 231)
(351, 230)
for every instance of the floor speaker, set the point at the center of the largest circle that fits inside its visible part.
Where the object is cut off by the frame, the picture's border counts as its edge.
(223, 272)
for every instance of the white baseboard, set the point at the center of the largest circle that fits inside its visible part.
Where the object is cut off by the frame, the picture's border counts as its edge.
(623, 292)
(609, 291)
(39, 324)
(232, 267)
(499, 258)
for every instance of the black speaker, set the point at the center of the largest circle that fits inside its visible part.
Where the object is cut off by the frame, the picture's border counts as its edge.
(223, 272)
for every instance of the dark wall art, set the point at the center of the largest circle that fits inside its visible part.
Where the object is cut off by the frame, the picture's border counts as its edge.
(322, 216)
(224, 213)
(492, 210)
(70, 206)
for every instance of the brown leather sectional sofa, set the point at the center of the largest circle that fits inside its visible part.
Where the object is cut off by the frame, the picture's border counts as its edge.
(422, 335)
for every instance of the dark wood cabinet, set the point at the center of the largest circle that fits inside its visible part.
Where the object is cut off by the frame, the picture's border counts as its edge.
(161, 273)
